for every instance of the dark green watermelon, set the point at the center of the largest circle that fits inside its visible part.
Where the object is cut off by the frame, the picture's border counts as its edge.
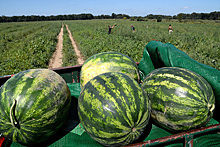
(113, 109)
(33, 106)
(180, 99)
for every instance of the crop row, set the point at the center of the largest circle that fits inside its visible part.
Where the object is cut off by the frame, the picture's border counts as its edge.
(69, 56)
(27, 45)
(200, 41)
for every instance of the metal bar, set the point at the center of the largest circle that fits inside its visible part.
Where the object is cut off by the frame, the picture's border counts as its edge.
(78, 76)
(60, 70)
(3, 79)
(67, 69)
(189, 141)
(175, 136)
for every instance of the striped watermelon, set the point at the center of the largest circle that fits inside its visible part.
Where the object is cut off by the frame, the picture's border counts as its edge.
(180, 99)
(108, 62)
(33, 105)
(113, 109)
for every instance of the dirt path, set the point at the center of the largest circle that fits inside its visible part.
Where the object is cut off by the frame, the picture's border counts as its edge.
(56, 60)
(77, 51)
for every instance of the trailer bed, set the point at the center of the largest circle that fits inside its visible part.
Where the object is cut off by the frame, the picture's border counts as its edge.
(72, 134)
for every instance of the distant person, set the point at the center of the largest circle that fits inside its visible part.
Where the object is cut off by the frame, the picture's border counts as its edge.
(110, 29)
(170, 29)
(133, 28)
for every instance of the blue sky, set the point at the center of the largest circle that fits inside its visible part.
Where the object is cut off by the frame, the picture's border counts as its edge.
(98, 7)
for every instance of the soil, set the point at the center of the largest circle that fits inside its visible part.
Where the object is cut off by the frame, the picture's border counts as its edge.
(56, 60)
(77, 51)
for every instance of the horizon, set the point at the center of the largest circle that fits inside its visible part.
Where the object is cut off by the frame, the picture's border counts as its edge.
(106, 14)
(97, 7)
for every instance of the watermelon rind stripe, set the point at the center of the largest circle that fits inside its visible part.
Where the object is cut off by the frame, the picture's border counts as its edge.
(110, 102)
(180, 99)
(44, 105)
(108, 62)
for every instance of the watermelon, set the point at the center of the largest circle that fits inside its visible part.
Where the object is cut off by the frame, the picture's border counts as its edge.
(180, 99)
(113, 109)
(33, 106)
(108, 62)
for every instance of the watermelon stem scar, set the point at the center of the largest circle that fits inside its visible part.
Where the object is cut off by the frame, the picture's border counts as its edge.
(133, 130)
(212, 107)
(14, 121)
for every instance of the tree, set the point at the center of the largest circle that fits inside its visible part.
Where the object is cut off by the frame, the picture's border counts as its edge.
(140, 18)
(120, 16)
(180, 17)
(132, 18)
(114, 15)
(159, 19)
(169, 18)
(194, 15)
(150, 16)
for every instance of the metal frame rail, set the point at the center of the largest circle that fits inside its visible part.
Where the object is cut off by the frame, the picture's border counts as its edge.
(187, 136)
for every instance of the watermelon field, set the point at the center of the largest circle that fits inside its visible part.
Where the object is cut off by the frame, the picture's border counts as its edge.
(115, 100)
(27, 45)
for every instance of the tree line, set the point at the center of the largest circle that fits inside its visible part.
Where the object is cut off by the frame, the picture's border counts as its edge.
(209, 16)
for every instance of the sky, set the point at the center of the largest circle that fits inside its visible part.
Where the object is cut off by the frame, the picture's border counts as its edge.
(99, 7)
